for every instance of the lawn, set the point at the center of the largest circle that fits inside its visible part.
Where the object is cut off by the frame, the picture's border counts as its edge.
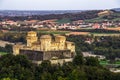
(104, 63)
(3, 53)
(117, 62)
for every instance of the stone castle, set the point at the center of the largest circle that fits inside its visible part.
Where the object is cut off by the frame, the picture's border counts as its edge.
(57, 50)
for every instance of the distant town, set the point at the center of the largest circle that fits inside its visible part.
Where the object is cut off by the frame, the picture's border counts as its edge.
(64, 23)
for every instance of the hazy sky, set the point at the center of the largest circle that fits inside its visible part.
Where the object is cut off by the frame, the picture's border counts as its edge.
(58, 4)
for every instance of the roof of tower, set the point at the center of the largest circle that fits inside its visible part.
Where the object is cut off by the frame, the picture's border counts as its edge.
(60, 36)
(31, 32)
(45, 37)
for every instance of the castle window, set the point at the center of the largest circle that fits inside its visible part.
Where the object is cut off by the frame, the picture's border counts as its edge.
(73, 44)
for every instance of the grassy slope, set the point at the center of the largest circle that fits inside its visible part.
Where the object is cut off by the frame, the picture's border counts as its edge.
(64, 20)
(113, 17)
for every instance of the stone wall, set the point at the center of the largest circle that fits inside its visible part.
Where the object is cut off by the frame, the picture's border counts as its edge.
(33, 55)
(47, 55)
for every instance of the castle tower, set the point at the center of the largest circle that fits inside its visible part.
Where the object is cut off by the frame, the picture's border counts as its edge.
(45, 42)
(31, 38)
(61, 40)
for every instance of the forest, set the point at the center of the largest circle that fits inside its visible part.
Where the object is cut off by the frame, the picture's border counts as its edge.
(20, 68)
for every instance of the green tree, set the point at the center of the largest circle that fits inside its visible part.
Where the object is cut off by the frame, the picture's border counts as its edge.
(91, 61)
(78, 60)
(77, 75)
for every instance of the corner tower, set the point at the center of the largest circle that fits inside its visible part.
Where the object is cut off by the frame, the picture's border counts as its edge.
(31, 38)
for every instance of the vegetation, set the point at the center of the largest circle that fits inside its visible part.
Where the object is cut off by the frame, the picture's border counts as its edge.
(107, 46)
(5, 50)
(20, 68)
(64, 20)
(13, 36)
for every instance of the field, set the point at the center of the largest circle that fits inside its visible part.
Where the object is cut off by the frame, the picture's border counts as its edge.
(107, 63)
(106, 34)
(53, 32)
(44, 32)
(115, 29)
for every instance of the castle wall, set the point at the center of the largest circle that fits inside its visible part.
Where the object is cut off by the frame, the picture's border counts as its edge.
(61, 54)
(46, 55)
(33, 55)
(59, 61)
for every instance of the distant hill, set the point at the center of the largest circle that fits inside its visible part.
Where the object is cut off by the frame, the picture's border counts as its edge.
(68, 15)
(30, 13)
(116, 9)
(115, 16)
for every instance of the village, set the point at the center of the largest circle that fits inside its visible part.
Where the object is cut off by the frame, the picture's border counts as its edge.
(64, 24)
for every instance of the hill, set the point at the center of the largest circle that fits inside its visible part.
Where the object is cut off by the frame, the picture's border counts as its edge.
(35, 12)
(72, 16)
(116, 9)
(115, 16)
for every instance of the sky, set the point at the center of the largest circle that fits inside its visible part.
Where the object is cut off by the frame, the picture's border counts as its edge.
(58, 4)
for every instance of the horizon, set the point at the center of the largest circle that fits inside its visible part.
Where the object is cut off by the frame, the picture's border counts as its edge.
(53, 5)
(58, 9)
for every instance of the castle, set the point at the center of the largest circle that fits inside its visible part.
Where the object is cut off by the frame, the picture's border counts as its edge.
(57, 50)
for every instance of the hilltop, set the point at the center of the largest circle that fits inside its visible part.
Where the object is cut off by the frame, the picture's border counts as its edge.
(113, 16)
